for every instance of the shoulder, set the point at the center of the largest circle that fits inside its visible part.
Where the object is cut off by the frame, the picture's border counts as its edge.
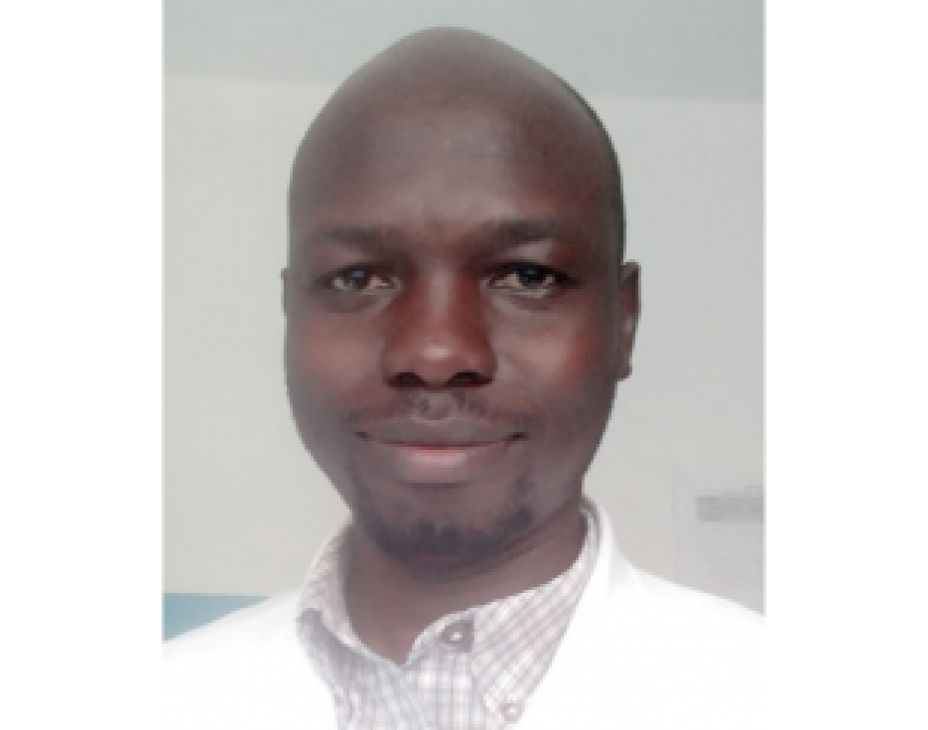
(712, 647)
(244, 670)
(699, 622)
(693, 607)
(654, 607)
(677, 657)
(707, 651)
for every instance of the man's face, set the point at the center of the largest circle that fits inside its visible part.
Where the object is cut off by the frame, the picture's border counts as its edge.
(457, 320)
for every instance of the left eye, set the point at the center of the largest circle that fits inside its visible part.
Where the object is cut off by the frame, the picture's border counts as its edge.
(528, 278)
(359, 279)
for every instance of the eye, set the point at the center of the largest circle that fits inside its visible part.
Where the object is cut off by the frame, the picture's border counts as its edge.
(359, 279)
(529, 279)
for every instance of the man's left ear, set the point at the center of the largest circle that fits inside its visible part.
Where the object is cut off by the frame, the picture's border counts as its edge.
(285, 290)
(629, 312)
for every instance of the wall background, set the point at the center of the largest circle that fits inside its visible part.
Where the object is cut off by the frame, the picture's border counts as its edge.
(244, 506)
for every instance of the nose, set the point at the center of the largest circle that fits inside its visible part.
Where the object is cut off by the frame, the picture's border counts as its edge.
(438, 337)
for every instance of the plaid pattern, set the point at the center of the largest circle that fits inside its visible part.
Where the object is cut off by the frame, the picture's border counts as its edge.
(473, 670)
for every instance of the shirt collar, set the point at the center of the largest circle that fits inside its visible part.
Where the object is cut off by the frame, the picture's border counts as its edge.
(495, 629)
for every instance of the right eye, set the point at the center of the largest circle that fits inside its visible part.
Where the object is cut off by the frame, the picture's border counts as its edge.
(359, 279)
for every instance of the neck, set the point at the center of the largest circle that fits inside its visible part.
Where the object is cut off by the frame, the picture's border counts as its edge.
(390, 603)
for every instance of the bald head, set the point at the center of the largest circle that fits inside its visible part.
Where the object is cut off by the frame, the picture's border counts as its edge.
(465, 95)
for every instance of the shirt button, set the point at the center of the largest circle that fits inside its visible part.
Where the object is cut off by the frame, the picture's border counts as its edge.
(512, 711)
(458, 634)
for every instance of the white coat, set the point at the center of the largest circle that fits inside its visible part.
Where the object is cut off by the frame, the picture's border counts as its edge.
(639, 654)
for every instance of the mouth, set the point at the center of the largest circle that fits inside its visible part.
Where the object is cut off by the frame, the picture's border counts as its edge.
(435, 443)
(416, 454)
(444, 434)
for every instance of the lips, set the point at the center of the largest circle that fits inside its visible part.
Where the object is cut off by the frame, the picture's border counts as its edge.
(437, 452)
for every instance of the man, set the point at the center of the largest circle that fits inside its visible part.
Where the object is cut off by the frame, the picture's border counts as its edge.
(459, 313)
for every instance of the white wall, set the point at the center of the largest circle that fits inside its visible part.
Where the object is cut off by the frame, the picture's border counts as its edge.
(245, 507)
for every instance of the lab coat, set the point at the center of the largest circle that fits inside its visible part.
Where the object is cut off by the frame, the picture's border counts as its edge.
(639, 654)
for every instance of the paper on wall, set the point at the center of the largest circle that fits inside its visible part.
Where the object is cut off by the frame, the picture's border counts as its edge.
(720, 541)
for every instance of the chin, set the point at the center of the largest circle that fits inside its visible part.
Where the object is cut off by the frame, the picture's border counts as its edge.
(432, 546)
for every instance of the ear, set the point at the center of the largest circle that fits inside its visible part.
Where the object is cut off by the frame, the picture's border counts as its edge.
(284, 289)
(629, 312)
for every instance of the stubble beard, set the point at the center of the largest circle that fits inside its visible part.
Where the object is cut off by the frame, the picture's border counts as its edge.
(444, 548)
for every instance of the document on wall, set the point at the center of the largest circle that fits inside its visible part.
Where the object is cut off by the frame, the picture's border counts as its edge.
(720, 541)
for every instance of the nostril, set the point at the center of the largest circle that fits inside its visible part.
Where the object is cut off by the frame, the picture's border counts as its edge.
(463, 379)
(468, 378)
(407, 380)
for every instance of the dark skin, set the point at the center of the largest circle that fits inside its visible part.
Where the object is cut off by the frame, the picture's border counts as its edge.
(457, 321)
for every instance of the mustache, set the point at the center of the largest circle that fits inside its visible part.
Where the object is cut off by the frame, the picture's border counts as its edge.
(446, 405)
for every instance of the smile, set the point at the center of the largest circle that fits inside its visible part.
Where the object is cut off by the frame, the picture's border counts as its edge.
(436, 461)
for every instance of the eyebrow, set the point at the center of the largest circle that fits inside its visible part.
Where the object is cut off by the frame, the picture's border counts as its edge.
(506, 231)
(358, 236)
(517, 231)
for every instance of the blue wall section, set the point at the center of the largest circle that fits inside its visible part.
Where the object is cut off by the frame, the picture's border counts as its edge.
(185, 611)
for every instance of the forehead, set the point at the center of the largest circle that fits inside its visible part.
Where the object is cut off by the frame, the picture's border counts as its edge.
(441, 164)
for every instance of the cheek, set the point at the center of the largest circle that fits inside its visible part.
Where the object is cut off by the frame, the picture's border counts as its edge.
(568, 355)
(323, 368)
(570, 370)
